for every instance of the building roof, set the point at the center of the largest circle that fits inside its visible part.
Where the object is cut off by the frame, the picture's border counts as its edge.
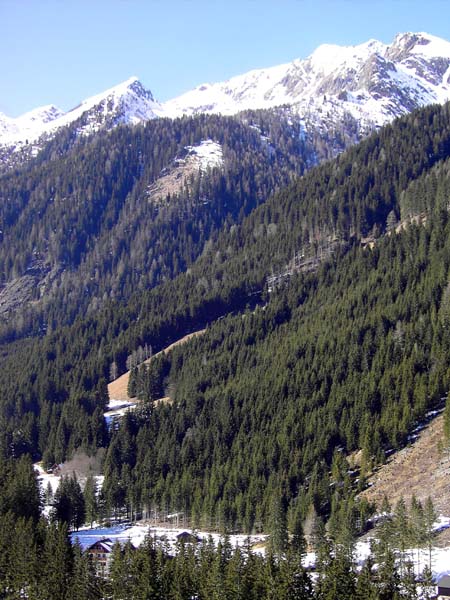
(105, 544)
(187, 537)
(444, 581)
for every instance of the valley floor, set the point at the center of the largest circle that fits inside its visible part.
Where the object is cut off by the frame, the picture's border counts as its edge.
(136, 534)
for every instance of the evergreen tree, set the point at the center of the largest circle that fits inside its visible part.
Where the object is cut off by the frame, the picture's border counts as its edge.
(297, 541)
(294, 582)
(24, 558)
(118, 574)
(278, 537)
(408, 582)
(389, 583)
(417, 526)
(430, 517)
(427, 583)
(23, 496)
(69, 505)
(90, 500)
(402, 535)
(57, 563)
(447, 422)
(84, 582)
(366, 588)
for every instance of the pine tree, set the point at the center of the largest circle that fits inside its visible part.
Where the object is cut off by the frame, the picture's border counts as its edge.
(366, 588)
(388, 578)
(338, 579)
(294, 582)
(84, 582)
(430, 517)
(297, 541)
(234, 574)
(417, 526)
(24, 561)
(427, 583)
(278, 536)
(90, 500)
(49, 493)
(78, 504)
(408, 582)
(68, 505)
(402, 530)
(57, 562)
(23, 496)
(447, 422)
(147, 586)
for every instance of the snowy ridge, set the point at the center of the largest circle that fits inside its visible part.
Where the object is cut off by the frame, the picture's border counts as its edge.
(373, 82)
(369, 84)
(128, 102)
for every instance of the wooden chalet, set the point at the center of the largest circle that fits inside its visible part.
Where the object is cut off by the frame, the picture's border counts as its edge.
(100, 553)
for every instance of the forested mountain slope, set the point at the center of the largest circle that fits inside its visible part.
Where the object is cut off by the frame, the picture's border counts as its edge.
(348, 356)
(98, 218)
(343, 360)
(350, 89)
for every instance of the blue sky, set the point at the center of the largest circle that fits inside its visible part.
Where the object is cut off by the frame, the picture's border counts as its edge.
(62, 51)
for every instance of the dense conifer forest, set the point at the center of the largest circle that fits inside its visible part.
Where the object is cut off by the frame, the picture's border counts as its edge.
(43, 564)
(83, 220)
(326, 307)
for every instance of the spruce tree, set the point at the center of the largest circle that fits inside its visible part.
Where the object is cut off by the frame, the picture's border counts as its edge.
(430, 517)
(366, 588)
(57, 563)
(90, 500)
(84, 583)
(278, 533)
(389, 583)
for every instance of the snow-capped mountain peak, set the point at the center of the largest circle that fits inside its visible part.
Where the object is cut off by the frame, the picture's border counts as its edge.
(43, 114)
(327, 58)
(358, 87)
(370, 83)
(127, 102)
(422, 43)
(131, 88)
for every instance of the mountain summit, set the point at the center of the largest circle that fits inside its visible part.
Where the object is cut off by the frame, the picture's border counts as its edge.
(347, 88)
(373, 82)
(129, 103)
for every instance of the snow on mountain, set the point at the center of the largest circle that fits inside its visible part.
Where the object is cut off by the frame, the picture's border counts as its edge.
(128, 102)
(208, 154)
(372, 82)
(352, 89)
(6, 125)
(174, 178)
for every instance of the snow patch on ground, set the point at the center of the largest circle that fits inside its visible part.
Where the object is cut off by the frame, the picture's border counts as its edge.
(136, 534)
(45, 478)
(116, 409)
(208, 154)
(119, 404)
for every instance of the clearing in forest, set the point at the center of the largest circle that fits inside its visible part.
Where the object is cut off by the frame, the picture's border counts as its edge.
(118, 389)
